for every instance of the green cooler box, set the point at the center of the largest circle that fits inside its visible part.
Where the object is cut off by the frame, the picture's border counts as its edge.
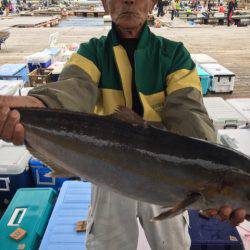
(30, 210)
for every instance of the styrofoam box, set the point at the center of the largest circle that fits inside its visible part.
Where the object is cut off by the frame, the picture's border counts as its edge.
(222, 79)
(10, 87)
(202, 58)
(223, 114)
(14, 171)
(238, 139)
(242, 105)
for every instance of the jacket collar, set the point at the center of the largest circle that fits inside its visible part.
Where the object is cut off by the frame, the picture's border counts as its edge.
(143, 39)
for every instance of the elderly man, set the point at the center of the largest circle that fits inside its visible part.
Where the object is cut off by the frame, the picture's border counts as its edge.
(151, 75)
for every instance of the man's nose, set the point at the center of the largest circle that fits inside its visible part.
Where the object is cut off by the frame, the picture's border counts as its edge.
(129, 2)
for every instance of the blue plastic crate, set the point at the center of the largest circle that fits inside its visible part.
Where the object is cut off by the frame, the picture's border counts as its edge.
(205, 79)
(30, 210)
(212, 234)
(14, 71)
(38, 171)
(72, 206)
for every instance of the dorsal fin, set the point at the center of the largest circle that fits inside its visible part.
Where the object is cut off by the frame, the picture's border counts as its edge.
(127, 115)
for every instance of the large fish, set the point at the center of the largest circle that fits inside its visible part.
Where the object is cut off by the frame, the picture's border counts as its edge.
(127, 155)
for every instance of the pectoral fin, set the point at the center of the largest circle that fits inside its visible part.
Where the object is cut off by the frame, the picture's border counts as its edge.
(179, 208)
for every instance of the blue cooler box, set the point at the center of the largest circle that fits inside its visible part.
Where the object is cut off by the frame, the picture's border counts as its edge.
(14, 171)
(38, 60)
(29, 210)
(39, 170)
(212, 234)
(72, 206)
(205, 79)
(14, 72)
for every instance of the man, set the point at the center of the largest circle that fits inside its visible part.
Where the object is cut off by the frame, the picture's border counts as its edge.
(173, 8)
(151, 75)
(160, 6)
(230, 10)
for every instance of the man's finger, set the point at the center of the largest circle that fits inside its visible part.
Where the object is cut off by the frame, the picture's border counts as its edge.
(225, 212)
(3, 116)
(237, 217)
(18, 135)
(12, 119)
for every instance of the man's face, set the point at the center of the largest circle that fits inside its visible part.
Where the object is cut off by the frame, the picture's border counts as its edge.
(129, 14)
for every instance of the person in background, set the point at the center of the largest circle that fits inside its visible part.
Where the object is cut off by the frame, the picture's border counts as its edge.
(173, 9)
(160, 6)
(221, 8)
(178, 8)
(230, 9)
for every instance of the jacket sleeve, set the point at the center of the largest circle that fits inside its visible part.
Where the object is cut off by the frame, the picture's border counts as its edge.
(74, 91)
(184, 112)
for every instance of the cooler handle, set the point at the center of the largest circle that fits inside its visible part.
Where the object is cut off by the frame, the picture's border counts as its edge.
(7, 184)
(18, 214)
(39, 182)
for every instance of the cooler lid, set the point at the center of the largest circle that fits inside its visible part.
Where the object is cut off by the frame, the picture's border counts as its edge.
(203, 58)
(202, 72)
(39, 57)
(222, 112)
(13, 159)
(10, 69)
(52, 51)
(238, 139)
(242, 105)
(216, 69)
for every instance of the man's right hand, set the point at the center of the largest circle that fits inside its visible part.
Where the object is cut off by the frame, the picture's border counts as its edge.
(11, 130)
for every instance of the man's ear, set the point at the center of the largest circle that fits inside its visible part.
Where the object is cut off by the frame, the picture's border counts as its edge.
(105, 6)
(152, 3)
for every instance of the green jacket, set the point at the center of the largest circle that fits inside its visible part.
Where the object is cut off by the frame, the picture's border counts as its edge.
(98, 78)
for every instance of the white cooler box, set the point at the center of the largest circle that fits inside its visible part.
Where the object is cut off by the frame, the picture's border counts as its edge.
(222, 79)
(14, 171)
(223, 114)
(242, 105)
(10, 87)
(238, 139)
(202, 58)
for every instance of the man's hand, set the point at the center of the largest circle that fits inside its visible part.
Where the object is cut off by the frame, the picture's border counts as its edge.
(226, 213)
(11, 129)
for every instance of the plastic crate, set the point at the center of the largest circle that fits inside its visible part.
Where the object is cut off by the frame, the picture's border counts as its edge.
(40, 76)
(14, 72)
(29, 210)
(212, 234)
(72, 206)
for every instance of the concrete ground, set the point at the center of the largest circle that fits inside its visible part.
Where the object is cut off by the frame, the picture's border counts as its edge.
(228, 45)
